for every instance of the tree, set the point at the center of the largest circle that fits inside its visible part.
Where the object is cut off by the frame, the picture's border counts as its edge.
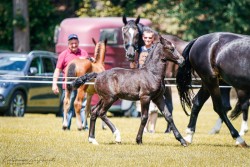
(202, 17)
(21, 26)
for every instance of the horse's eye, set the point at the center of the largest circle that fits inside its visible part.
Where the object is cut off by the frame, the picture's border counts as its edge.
(124, 29)
(172, 50)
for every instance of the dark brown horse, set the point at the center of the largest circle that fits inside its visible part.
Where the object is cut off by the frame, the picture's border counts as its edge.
(144, 84)
(213, 57)
(241, 105)
(79, 67)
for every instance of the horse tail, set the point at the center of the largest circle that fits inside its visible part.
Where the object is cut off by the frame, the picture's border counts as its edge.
(184, 79)
(70, 74)
(236, 111)
(83, 79)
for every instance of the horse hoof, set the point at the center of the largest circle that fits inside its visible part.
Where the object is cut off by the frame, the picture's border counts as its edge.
(79, 129)
(184, 143)
(93, 141)
(104, 127)
(243, 145)
(139, 142)
(187, 142)
(64, 127)
(214, 131)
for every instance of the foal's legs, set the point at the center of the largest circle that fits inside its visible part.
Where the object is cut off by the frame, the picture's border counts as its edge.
(100, 110)
(168, 116)
(87, 110)
(169, 103)
(145, 101)
(78, 105)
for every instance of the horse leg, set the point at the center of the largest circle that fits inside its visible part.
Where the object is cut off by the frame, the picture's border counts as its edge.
(144, 118)
(87, 111)
(225, 95)
(168, 117)
(169, 104)
(243, 101)
(198, 101)
(66, 105)
(102, 114)
(213, 87)
(93, 117)
(78, 105)
(168, 92)
(244, 125)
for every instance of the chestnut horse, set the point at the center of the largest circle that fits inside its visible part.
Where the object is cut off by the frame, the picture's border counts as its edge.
(144, 84)
(79, 67)
(213, 57)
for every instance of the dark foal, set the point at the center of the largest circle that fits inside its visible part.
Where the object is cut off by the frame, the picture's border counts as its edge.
(212, 57)
(144, 84)
(132, 36)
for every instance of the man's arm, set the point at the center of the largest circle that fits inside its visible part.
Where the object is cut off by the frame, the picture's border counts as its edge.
(55, 79)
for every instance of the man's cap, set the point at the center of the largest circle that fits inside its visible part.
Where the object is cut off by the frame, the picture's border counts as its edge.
(72, 36)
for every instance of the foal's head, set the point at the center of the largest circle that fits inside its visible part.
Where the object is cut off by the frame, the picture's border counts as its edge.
(132, 37)
(170, 52)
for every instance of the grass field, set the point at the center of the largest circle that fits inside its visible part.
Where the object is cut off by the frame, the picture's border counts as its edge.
(38, 140)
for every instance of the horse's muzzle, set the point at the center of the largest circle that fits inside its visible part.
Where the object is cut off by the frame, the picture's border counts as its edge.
(181, 62)
(130, 53)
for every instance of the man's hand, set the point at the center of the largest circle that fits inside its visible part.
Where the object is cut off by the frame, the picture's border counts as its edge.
(55, 89)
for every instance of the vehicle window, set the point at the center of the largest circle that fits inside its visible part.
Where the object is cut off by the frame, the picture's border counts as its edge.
(12, 63)
(48, 65)
(36, 62)
(110, 34)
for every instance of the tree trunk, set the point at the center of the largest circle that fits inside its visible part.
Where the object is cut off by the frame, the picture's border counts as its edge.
(21, 28)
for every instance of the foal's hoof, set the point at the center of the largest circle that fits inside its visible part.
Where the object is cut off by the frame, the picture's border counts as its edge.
(243, 145)
(93, 141)
(184, 143)
(139, 142)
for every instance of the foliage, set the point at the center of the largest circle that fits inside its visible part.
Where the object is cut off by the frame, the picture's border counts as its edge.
(186, 19)
(99, 8)
(43, 17)
(162, 21)
(202, 17)
(6, 30)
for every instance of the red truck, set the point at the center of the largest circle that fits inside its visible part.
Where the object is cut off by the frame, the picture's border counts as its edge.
(98, 28)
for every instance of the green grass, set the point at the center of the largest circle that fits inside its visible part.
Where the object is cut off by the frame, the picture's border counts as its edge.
(38, 140)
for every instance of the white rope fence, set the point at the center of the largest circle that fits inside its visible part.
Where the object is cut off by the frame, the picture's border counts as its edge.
(8, 78)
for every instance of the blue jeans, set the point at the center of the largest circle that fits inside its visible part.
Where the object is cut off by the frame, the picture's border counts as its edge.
(71, 111)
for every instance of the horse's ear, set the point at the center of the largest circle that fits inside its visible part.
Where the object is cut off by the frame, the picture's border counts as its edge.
(160, 38)
(94, 41)
(137, 20)
(106, 41)
(124, 19)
